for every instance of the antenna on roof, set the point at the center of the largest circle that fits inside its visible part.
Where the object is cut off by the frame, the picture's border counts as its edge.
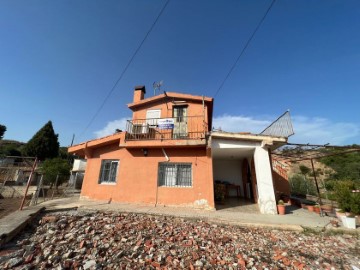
(157, 86)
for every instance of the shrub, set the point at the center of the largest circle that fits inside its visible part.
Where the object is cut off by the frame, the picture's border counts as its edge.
(347, 200)
(301, 186)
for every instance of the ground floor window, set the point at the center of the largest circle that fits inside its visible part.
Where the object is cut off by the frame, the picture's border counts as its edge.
(175, 174)
(108, 171)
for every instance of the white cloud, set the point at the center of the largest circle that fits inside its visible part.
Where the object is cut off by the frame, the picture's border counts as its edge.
(320, 131)
(110, 127)
(313, 130)
(239, 123)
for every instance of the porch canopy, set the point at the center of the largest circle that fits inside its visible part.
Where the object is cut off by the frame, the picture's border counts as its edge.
(242, 160)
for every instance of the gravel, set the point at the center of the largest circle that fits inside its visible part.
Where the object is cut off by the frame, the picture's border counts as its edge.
(103, 240)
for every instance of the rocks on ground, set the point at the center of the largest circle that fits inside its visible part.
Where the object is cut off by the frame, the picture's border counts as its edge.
(101, 240)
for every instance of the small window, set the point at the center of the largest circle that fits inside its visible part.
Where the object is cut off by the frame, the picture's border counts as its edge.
(175, 175)
(108, 171)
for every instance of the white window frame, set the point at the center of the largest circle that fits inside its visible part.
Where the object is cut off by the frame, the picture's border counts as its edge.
(175, 174)
(109, 175)
(151, 120)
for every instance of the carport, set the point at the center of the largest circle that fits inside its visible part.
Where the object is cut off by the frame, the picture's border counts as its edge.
(242, 168)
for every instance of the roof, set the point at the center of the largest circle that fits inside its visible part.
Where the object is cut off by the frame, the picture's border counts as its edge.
(96, 143)
(247, 136)
(169, 96)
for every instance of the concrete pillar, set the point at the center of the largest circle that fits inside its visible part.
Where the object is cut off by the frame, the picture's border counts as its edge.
(265, 188)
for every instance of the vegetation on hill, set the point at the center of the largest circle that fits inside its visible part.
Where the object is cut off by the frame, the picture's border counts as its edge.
(338, 176)
(10, 148)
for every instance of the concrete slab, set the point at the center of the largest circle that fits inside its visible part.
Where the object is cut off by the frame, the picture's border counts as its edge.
(13, 223)
(295, 219)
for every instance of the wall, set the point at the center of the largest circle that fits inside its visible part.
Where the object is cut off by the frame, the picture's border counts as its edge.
(16, 191)
(194, 109)
(265, 188)
(138, 176)
(229, 170)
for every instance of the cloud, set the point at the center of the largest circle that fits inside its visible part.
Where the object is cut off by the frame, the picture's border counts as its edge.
(239, 123)
(321, 131)
(313, 130)
(110, 127)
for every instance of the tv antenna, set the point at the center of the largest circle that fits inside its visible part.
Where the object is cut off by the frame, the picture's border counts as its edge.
(157, 86)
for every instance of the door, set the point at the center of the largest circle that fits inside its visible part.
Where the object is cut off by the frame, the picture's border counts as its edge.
(180, 122)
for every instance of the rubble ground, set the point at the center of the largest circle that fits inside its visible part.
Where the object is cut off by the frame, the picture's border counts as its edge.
(109, 240)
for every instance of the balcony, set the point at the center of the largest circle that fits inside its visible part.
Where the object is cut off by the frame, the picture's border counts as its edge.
(172, 128)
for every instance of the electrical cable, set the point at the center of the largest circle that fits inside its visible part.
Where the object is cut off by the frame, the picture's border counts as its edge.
(124, 70)
(245, 47)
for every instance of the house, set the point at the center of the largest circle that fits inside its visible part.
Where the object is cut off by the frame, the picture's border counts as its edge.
(169, 155)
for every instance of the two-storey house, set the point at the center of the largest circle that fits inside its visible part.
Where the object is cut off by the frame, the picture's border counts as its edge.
(168, 155)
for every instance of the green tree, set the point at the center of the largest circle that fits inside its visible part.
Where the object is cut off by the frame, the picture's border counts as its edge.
(53, 167)
(44, 144)
(2, 131)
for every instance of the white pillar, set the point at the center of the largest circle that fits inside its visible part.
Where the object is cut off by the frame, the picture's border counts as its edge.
(265, 188)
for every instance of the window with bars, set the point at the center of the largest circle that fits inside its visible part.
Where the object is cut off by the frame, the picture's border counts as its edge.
(108, 171)
(175, 174)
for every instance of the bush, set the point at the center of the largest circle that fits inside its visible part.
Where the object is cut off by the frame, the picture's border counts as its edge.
(347, 200)
(301, 186)
(53, 167)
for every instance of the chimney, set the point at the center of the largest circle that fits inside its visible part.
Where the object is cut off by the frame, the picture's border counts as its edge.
(139, 93)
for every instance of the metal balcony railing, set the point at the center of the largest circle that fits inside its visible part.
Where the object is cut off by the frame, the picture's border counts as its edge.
(171, 128)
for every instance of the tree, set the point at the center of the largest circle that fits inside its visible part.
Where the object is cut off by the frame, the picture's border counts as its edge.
(44, 144)
(2, 131)
(53, 167)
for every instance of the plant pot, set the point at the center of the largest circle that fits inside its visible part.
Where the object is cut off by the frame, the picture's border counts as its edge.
(281, 209)
(303, 206)
(351, 222)
(311, 208)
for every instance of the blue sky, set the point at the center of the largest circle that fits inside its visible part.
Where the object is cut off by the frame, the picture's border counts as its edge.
(59, 59)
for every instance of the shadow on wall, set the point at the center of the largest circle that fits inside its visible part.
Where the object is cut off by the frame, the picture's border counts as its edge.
(281, 185)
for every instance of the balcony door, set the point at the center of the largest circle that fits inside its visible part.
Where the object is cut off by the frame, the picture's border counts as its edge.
(180, 122)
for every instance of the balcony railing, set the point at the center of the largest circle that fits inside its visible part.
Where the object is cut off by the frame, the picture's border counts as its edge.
(172, 128)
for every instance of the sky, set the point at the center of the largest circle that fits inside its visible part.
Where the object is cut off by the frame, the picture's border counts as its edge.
(60, 59)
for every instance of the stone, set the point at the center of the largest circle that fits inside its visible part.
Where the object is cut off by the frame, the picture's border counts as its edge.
(88, 264)
(14, 262)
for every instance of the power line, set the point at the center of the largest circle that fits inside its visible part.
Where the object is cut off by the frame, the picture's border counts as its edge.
(244, 49)
(124, 70)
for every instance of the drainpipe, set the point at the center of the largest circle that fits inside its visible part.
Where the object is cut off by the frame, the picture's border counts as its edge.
(166, 156)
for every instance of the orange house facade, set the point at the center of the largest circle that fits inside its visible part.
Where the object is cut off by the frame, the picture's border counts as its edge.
(168, 155)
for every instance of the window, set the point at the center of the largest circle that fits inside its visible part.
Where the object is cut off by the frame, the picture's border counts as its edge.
(152, 116)
(175, 175)
(108, 171)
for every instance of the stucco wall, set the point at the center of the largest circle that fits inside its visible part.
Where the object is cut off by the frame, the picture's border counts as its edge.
(194, 109)
(138, 176)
